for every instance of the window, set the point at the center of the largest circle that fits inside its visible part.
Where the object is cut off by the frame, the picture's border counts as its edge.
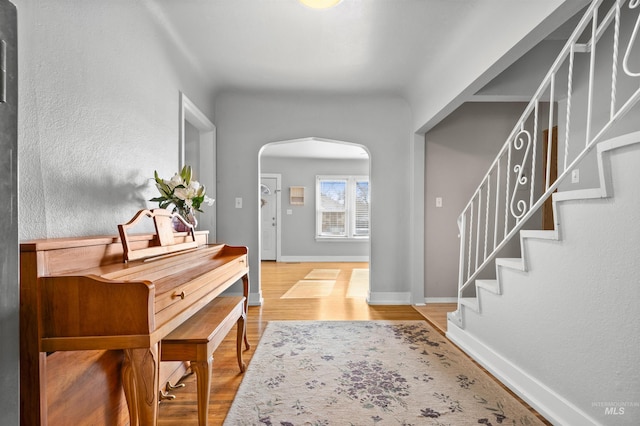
(342, 207)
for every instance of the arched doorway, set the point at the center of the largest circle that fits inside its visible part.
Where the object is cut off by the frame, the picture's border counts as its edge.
(314, 198)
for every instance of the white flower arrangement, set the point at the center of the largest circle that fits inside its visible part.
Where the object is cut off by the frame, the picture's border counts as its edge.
(185, 193)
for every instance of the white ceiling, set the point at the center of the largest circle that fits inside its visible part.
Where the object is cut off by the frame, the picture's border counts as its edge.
(357, 46)
(430, 52)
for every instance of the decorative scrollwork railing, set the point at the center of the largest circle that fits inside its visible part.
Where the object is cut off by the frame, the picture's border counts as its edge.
(502, 204)
(518, 206)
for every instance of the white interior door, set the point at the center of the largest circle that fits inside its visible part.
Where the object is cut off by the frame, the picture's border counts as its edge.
(268, 217)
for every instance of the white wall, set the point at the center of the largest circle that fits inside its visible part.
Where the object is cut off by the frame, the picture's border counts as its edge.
(520, 81)
(246, 122)
(99, 103)
(522, 27)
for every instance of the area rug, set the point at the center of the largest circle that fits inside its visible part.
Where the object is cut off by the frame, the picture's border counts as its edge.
(367, 373)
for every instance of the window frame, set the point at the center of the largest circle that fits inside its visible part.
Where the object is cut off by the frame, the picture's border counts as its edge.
(349, 207)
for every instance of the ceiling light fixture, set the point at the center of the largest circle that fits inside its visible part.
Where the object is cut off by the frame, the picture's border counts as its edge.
(320, 4)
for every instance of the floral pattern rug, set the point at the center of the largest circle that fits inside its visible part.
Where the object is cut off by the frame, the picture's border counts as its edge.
(367, 373)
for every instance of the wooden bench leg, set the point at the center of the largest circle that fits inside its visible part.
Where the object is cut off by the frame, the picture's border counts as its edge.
(194, 340)
(203, 380)
(242, 335)
(245, 285)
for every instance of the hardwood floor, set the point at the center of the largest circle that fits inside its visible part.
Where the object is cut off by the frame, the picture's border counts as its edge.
(436, 314)
(344, 301)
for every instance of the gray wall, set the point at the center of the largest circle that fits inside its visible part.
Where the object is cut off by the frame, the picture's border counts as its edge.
(298, 230)
(9, 288)
(459, 151)
(246, 122)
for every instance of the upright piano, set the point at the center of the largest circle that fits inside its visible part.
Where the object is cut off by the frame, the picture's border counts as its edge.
(84, 310)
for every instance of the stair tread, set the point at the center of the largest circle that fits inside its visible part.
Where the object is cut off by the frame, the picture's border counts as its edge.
(540, 234)
(510, 262)
(471, 302)
(490, 285)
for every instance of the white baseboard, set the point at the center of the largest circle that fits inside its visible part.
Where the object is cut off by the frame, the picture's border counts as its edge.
(551, 405)
(428, 300)
(323, 259)
(389, 298)
(255, 299)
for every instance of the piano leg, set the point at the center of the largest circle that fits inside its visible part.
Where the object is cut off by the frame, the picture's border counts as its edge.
(129, 390)
(141, 384)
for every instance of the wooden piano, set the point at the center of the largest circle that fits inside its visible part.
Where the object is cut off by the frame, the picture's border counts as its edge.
(86, 317)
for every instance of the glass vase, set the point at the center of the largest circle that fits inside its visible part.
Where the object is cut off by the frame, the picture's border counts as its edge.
(188, 215)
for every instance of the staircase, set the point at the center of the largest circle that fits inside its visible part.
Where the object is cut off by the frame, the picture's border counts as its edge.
(554, 315)
(559, 325)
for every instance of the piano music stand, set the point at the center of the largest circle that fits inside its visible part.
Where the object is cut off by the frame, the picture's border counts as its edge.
(162, 219)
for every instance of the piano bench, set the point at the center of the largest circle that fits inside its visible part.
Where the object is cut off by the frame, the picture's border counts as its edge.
(197, 338)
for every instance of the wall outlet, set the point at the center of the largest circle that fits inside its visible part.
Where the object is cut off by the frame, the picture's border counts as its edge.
(238, 203)
(575, 176)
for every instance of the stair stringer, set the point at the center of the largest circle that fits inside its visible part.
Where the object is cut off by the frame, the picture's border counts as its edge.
(531, 382)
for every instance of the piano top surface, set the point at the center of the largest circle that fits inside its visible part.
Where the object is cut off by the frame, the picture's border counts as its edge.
(166, 272)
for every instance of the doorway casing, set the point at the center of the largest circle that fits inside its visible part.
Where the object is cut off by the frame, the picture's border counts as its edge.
(278, 214)
(205, 159)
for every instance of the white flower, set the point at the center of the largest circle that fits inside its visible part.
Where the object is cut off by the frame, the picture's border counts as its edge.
(181, 190)
(176, 180)
(185, 194)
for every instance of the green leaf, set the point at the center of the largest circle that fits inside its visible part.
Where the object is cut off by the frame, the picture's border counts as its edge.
(185, 174)
(157, 178)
